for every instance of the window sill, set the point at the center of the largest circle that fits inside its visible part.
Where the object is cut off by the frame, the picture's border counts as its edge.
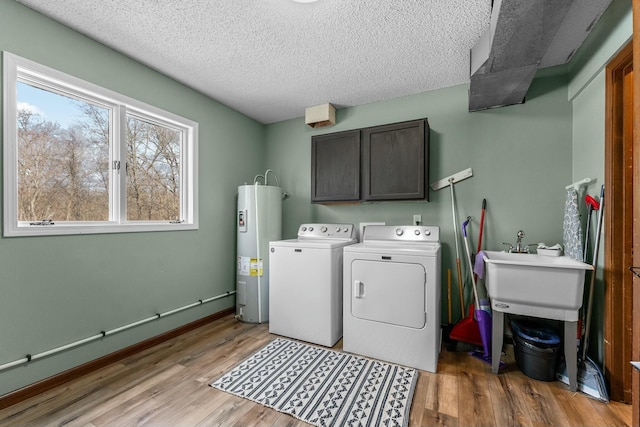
(63, 229)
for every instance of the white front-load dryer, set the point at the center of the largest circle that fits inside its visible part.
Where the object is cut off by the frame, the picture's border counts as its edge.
(305, 277)
(391, 296)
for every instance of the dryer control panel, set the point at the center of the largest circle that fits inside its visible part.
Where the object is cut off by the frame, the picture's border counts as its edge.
(402, 233)
(326, 231)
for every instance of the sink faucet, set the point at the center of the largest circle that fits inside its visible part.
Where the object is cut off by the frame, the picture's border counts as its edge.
(519, 248)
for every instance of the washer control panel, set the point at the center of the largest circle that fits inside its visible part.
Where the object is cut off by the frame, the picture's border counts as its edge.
(326, 231)
(402, 233)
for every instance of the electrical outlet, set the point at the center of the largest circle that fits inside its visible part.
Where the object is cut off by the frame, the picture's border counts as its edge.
(417, 219)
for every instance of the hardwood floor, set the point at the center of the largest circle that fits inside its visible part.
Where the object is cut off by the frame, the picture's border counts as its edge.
(167, 385)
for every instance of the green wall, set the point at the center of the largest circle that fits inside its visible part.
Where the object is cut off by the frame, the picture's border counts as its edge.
(520, 156)
(56, 290)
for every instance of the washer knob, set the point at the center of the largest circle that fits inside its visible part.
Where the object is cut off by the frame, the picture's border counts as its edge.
(310, 228)
(427, 232)
(399, 231)
(417, 232)
(337, 229)
(304, 228)
(323, 229)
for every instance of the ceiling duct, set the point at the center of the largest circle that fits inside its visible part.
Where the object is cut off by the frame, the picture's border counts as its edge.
(526, 35)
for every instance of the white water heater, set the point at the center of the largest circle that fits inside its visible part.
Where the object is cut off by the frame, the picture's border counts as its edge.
(258, 221)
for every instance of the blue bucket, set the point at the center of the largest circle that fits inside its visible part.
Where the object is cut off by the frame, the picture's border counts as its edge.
(537, 336)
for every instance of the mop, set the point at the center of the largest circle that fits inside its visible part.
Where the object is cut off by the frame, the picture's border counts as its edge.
(590, 379)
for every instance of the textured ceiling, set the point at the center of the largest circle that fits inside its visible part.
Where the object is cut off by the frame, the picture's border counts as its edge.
(270, 59)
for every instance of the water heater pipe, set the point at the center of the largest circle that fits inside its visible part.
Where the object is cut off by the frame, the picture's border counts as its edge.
(255, 196)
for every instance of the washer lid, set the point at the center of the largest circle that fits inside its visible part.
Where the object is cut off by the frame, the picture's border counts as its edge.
(321, 235)
(313, 243)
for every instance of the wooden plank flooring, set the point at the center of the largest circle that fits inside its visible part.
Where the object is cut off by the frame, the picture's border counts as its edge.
(167, 385)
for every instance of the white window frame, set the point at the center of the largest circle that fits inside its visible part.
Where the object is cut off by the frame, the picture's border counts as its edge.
(17, 69)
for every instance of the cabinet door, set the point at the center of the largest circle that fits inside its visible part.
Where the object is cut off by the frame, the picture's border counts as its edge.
(394, 161)
(335, 167)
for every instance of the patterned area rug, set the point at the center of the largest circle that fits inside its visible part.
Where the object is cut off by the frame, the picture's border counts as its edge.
(323, 387)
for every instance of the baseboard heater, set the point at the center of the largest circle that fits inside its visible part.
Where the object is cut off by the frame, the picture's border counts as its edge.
(31, 357)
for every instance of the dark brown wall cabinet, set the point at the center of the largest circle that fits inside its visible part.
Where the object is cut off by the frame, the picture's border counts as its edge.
(388, 162)
(335, 167)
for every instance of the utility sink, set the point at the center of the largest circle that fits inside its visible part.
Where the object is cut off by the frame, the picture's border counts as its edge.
(535, 285)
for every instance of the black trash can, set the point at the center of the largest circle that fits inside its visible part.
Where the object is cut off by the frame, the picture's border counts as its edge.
(536, 350)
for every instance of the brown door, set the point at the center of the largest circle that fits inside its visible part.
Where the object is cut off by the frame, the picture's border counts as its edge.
(619, 224)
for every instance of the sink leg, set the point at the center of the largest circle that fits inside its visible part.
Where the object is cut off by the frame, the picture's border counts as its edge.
(571, 353)
(497, 334)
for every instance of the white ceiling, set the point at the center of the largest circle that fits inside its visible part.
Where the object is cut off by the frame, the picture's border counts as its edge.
(270, 59)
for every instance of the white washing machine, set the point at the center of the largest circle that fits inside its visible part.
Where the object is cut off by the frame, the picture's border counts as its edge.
(305, 277)
(392, 295)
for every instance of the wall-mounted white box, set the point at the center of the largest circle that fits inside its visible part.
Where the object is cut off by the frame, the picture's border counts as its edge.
(320, 116)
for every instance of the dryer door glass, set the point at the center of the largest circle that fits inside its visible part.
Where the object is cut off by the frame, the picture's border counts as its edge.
(389, 292)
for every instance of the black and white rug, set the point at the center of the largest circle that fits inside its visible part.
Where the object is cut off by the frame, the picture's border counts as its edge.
(323, 387)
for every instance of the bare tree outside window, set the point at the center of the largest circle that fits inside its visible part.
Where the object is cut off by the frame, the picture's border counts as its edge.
(62, 169)
(153, 171)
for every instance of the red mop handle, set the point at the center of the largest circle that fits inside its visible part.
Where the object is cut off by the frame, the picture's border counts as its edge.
(484, 207)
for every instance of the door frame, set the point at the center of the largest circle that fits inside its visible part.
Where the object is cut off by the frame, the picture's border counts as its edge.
(635, 326)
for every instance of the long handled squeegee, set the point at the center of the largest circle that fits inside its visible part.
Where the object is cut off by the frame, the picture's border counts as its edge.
(449, 182)
(455, 178)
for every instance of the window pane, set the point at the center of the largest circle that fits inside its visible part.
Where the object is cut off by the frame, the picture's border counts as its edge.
(153, 171)
(63, 157)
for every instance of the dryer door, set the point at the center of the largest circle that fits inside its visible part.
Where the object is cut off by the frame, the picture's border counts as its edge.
(389, 292)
